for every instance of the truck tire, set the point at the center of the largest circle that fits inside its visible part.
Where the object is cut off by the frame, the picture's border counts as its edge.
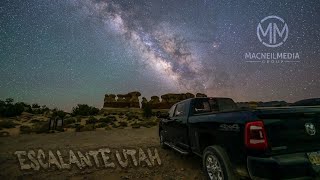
(162, 140)
(216, 164)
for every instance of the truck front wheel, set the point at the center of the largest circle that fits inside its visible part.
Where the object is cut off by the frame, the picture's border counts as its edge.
(216, 164)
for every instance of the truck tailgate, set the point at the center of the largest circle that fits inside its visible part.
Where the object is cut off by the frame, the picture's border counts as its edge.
(291, 129)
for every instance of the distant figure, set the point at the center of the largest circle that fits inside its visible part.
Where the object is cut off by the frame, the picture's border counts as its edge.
(55, 123)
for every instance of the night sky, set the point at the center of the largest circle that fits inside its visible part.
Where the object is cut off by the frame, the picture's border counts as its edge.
(64, 52)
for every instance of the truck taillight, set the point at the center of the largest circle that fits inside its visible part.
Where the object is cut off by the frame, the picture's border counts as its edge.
(255, 135)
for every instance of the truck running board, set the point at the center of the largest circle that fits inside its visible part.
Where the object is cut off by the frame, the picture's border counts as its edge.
(181, 151)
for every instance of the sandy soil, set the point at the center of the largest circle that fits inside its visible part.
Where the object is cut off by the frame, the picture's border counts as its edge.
(173, 165)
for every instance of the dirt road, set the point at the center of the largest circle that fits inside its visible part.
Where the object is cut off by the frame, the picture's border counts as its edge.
(173, 165)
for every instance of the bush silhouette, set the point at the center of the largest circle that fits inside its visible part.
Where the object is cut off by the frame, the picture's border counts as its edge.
(84, 110)
(92, 120)
(58, 113)
(10, 109)
(7, 124)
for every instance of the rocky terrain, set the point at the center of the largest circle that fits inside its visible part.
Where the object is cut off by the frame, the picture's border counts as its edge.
(173, 165)
(28, 123)
(124, 122)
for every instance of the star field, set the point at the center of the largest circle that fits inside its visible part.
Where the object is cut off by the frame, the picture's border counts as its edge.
(61, 53)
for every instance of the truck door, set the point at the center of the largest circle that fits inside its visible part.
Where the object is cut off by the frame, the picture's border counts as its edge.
(180, 126)
(168, 125)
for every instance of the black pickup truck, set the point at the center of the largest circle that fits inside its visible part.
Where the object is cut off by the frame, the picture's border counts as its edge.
(261, 143)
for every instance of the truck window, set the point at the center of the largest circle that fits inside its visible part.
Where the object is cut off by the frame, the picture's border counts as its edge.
(180, 110)
(226, 104)
(204, 106)
(207, 105)
(214, 105)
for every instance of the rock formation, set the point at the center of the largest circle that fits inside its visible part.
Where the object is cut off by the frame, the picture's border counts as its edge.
(200, 95)
(167, 100)
(109, 100)
(130, 100)
(154, 102)
(134, 99)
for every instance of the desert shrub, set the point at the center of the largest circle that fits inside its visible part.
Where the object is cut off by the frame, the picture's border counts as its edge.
(91, 120)
(78, 118)
(84, 110)
(4, 134)
(135, 125)
(35, 105)
(130, 116)
(25, 130)
(106, 120)
(9, 109)
(35, 121)
(88, 127)
(123, 124)
(38, 110)
(79, 127)
(61, 129)
(148, 124)
(7, 124)
(114, 126)
(58, 113)
(70, 126)
(44, 108)
(29, 110)
(101, 125)
(41, 127)
(69, 121)
(9, 101)
(113, 118)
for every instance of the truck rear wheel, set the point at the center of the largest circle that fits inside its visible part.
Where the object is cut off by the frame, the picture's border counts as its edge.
(216, 164)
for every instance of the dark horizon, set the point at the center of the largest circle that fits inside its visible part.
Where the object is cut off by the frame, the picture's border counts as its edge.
(69, 109)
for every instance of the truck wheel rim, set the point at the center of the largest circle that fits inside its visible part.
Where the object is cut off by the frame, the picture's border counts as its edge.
(214, 169)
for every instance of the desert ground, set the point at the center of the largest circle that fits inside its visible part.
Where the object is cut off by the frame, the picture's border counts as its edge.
(173, 165)
(134, 134)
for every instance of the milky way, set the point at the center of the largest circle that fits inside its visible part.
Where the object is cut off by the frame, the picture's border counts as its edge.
(161, 49)
(64, 52)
